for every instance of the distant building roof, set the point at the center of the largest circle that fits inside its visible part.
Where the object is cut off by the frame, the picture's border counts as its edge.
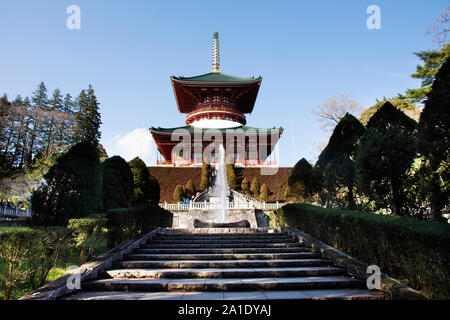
(217, 77)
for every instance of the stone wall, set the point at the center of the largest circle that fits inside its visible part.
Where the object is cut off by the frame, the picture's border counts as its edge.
(186, 219)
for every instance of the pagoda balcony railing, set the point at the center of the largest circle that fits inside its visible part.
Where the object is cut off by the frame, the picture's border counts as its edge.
(215, 113)
(210, 205)
(207, 107)
(186, 163)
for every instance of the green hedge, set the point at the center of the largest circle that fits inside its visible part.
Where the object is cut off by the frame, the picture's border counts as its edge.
(403, 247)
(127, 223)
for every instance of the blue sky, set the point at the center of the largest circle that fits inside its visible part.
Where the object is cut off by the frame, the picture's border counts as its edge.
(306, 51)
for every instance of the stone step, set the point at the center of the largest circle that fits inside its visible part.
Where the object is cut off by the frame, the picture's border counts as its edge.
(215, 231)
(235, 241)
(220, 245)
(162, 264)
(225, 273)
(223, 256)
(232, 284)
(222, 250)
(223, 236)
(324, 294)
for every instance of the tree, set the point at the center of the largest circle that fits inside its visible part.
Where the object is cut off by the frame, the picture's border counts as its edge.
(386, 152)
(245, 186)
(178, 194)
(146, 187)
(231, 176)
(117, 183)
(264, 193)
(412, 110)
(334, 109)
(433, 141)
(299, 180)
(441, 27)
(254, 187)
(87, 118)
(337, 161)
(204, 178)
(72, 187)
(432, 62)
(189, 188)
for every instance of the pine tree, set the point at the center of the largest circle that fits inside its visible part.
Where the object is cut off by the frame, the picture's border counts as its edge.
(433, 142)
(87, 118)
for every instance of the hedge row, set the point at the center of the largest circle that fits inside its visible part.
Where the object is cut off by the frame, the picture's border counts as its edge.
(403, 247)
(127, 223)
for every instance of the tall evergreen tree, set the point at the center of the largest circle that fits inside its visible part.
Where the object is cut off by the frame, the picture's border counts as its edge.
(337, 161)
(433, 142)
(87, 118)
(386, 152)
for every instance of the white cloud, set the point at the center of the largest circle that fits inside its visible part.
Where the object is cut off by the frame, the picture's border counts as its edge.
(137, 143)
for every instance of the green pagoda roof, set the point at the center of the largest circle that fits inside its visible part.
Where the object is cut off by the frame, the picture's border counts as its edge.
(191, 129)
(216, 77)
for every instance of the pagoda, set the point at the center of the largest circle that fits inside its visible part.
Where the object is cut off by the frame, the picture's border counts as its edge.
(215, 105)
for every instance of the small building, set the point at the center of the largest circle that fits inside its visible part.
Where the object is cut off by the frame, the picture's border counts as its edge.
(215, 105)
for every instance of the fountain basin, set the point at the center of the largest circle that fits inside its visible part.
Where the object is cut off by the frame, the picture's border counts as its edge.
(204, 224)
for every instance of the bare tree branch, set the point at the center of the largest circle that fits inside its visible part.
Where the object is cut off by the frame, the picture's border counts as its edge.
(330, 112)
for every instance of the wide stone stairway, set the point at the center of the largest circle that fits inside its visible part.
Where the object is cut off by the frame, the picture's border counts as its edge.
(255, 264)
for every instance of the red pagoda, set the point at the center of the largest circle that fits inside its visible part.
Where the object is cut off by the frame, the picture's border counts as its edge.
(216, 105)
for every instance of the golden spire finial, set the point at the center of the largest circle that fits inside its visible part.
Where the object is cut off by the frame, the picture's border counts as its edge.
(216, 55)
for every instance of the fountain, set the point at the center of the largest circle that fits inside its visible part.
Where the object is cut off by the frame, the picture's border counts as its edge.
(219, 190)
(219, 195)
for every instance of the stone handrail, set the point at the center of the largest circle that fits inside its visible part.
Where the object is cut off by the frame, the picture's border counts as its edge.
(209, 205)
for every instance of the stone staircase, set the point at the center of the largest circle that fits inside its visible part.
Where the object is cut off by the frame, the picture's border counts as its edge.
(195, 264)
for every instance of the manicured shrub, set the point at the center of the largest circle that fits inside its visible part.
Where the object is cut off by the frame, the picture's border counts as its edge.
(189, 188)
(264, 193)
(254, 188)
(245, 186)
(231, 176)
(178, 194)
(72, 187)
(146, 187)
(117, 183)
(128, 223)
(204, 178)
(299, 181)
(403, 247)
